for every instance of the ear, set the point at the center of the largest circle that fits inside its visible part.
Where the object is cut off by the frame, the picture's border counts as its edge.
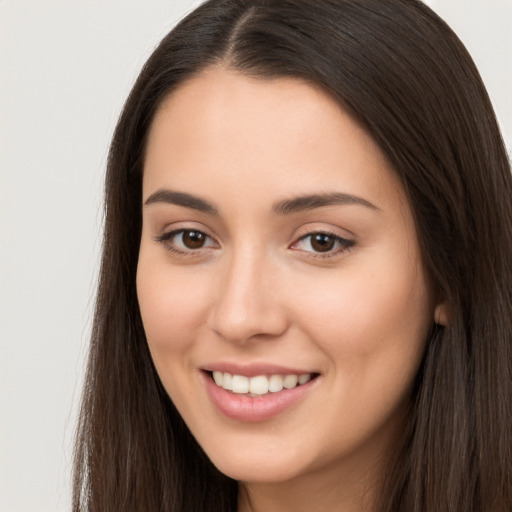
(441, 316)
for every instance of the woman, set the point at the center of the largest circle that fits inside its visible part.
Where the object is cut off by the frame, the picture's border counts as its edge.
(305, 295)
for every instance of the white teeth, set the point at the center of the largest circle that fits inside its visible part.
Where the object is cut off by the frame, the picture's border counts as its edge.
(218, 377)
(290, 381)
(227, 381)
(305, 377)
(240, 384)
(275, 383)
(260, 385)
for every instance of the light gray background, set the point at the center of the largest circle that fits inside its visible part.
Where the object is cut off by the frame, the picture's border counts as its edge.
(65, 70)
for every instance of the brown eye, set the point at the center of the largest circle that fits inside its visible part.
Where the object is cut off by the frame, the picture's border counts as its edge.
(193, 239)
(322, 242)
(186, 241)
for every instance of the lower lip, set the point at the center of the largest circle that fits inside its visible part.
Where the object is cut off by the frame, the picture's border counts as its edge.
(254, 409)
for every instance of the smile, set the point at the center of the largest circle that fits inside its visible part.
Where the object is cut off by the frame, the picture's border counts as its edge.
(257, 397)
(260, 384)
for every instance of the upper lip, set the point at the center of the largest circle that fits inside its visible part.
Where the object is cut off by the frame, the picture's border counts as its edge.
(255, 369)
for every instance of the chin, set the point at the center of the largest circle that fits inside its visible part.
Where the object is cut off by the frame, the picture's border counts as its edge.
(257, 464)
(257, 472)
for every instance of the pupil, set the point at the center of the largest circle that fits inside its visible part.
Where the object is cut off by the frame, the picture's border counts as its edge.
(322, 243)
(193, 239)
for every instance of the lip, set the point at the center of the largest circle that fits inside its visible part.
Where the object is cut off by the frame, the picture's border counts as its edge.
(256, 409)
(254, 370)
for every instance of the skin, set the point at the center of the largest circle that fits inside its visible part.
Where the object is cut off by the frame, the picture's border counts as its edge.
(257, 291)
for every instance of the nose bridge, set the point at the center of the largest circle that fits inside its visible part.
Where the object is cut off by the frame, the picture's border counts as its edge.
(246, 303)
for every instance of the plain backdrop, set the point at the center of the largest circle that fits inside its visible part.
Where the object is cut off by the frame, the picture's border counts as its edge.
(65, 69)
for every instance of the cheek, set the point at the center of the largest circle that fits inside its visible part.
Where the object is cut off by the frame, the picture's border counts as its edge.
(373, 329)
(372, 323)
(172, 308)
(171, 304)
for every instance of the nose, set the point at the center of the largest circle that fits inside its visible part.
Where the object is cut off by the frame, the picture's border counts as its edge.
(247, 305)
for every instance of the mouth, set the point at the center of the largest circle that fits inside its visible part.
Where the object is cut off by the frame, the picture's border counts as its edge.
(257, 392)
(259, 385)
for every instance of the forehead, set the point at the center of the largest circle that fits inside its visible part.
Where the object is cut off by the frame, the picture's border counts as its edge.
(263, 137)
(219, 101)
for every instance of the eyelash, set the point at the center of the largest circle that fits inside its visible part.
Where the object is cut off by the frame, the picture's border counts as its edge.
(166, 240)
(342, 243)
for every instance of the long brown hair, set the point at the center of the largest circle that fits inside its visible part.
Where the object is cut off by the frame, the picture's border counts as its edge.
(400, 69)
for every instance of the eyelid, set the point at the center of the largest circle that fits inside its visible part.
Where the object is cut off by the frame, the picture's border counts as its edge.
(341, 243)
(183, 225)
(344, 244)
(324, 227)
(166, 236)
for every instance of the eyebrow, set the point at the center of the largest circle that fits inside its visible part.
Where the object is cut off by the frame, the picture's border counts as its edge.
(313, 201)
(181, 199)
(284, 207)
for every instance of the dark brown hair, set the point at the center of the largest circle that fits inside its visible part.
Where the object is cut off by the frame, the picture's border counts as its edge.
(399, 68)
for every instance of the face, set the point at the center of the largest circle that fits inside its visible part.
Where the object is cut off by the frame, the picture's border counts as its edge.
(280, 280)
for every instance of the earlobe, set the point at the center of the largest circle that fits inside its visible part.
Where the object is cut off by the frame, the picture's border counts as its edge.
(441, 316)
